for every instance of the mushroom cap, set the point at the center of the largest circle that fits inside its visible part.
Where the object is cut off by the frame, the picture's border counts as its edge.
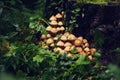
(90, 57)
(67, 44)
(57, 49)
(63, 38)
(69, 55)
(80, 38)
(67, 48)
(52, 45)
(71, 37)
(58, 28)
(86, 45)
(79, 49)
(52, 18)
(66, 34)
(60, 23)
(55, 38)
(72, 47)
(86, 49)
(53, 23)
(92, 50)
(58, 15)
(60, 43)
(62, 28)
(77, 42)
(48, 35)
(49, 28)
(85, 41)
(54, 30)
(43, 36)
(62, 12)
(49, 41)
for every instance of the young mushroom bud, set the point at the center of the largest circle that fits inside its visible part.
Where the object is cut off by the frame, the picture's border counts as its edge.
(55, 38)
(66, 34)
(85, 41)
(86, 49)
(48, 35)
(59, 16)
(67, 48)
(79, 49)
(49, 41)
(62, 28)
(92, 50)
(53, 18)
(80, 38)
(86, 45)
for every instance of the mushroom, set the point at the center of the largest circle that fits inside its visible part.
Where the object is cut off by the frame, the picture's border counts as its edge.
(67, 44)
(49, 41)
(60, 43)
(71, 37)
(77, 42)
(58, 16)
(69, 55)
(67, 48)
(86, 49)
(43, 36)
(48, 35)
(92, 50)
(48, 28)
(52, 45)
(79, 49)
(53, 23)
(80, 38)
(62, 28)
(53, 18)
(60, 23)
(55, 38)
(57, 49)
(72, 47)
(63, 38)
(54, 30)
(85, 41)
(67, 34)
(90, 57)
(86, 45)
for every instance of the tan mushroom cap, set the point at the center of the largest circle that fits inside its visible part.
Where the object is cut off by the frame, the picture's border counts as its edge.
(69, 55)
(52, 18)
(90, 57)
(60, 43)
(63, 38)
(66, 34)
(86, 49)
(58, 15)
(77, 42)
(55, 38)
(48, 35)
(53, 23)
(57, 49)
(67, 48)
(60, 23)
(72, 47)
(71, 37)
(52, 45)
(62, 28)
(62, 12)
(43, 36)
(49, 28)
(79, 49)
(67, 44)
(92, 50)
(86, 45)
(49, 41)
(54, 30)
(85, 41)
(80, 38)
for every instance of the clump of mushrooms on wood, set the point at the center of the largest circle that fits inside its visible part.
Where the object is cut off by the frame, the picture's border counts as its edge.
(58, 40)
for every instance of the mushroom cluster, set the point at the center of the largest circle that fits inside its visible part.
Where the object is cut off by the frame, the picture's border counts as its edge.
(58, 40)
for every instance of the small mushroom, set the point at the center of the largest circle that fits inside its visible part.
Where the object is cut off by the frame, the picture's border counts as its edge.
(49, 41)
(80, 38)
(72, 47)
(69, 55)
(52, 45)
(92, 50)
(90, 57)
(86, 49)
(67, 48)
(67, 34)
(79, 49)
(62, 28)
(48, 35)
(85, 41)
(53, 23)
(71, 37)
(60, 23)
(60, 43)
(54, 30)
(67, 44)
(43, 36)
(53, 18)
(86, 45)
(49, 28)
(57, 49)
(77, 42)
(63, 38)
(58, 16)
(55, 38)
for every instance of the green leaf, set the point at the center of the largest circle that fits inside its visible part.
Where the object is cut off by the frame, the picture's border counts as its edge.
(38, 58)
